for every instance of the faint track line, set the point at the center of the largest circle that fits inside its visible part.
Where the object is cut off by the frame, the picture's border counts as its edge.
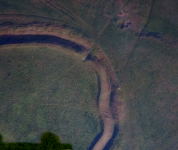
(30, 15)
(135, 42)
(57, 5)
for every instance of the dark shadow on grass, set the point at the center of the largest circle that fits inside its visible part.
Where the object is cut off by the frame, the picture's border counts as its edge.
(111, 141)
(96, 139)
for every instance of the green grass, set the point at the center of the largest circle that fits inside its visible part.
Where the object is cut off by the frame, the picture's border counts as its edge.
(47, 90)
(151, 72)
(163, 19)
(152, 75)
(154, 85)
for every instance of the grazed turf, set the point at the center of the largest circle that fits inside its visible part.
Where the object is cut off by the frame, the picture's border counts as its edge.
(149, 81)
(43, 89)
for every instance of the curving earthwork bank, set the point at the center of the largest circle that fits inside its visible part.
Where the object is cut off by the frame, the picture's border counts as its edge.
(108, 95)
(104, 106)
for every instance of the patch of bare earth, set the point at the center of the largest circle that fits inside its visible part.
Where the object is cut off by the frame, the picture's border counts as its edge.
(132, 16)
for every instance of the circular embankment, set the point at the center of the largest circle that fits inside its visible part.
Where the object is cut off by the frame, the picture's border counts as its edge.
(99, 61)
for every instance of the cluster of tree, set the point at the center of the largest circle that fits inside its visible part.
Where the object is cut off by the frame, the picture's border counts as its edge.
(49, 141)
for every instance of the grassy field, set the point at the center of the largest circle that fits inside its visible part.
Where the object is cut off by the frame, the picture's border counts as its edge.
(151, 77)
(146, 69)
(44, 89)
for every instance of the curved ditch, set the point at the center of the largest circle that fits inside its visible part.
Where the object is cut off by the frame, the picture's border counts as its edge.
(104, 107)
(44, 39)
(104, 139)
(155, 35)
